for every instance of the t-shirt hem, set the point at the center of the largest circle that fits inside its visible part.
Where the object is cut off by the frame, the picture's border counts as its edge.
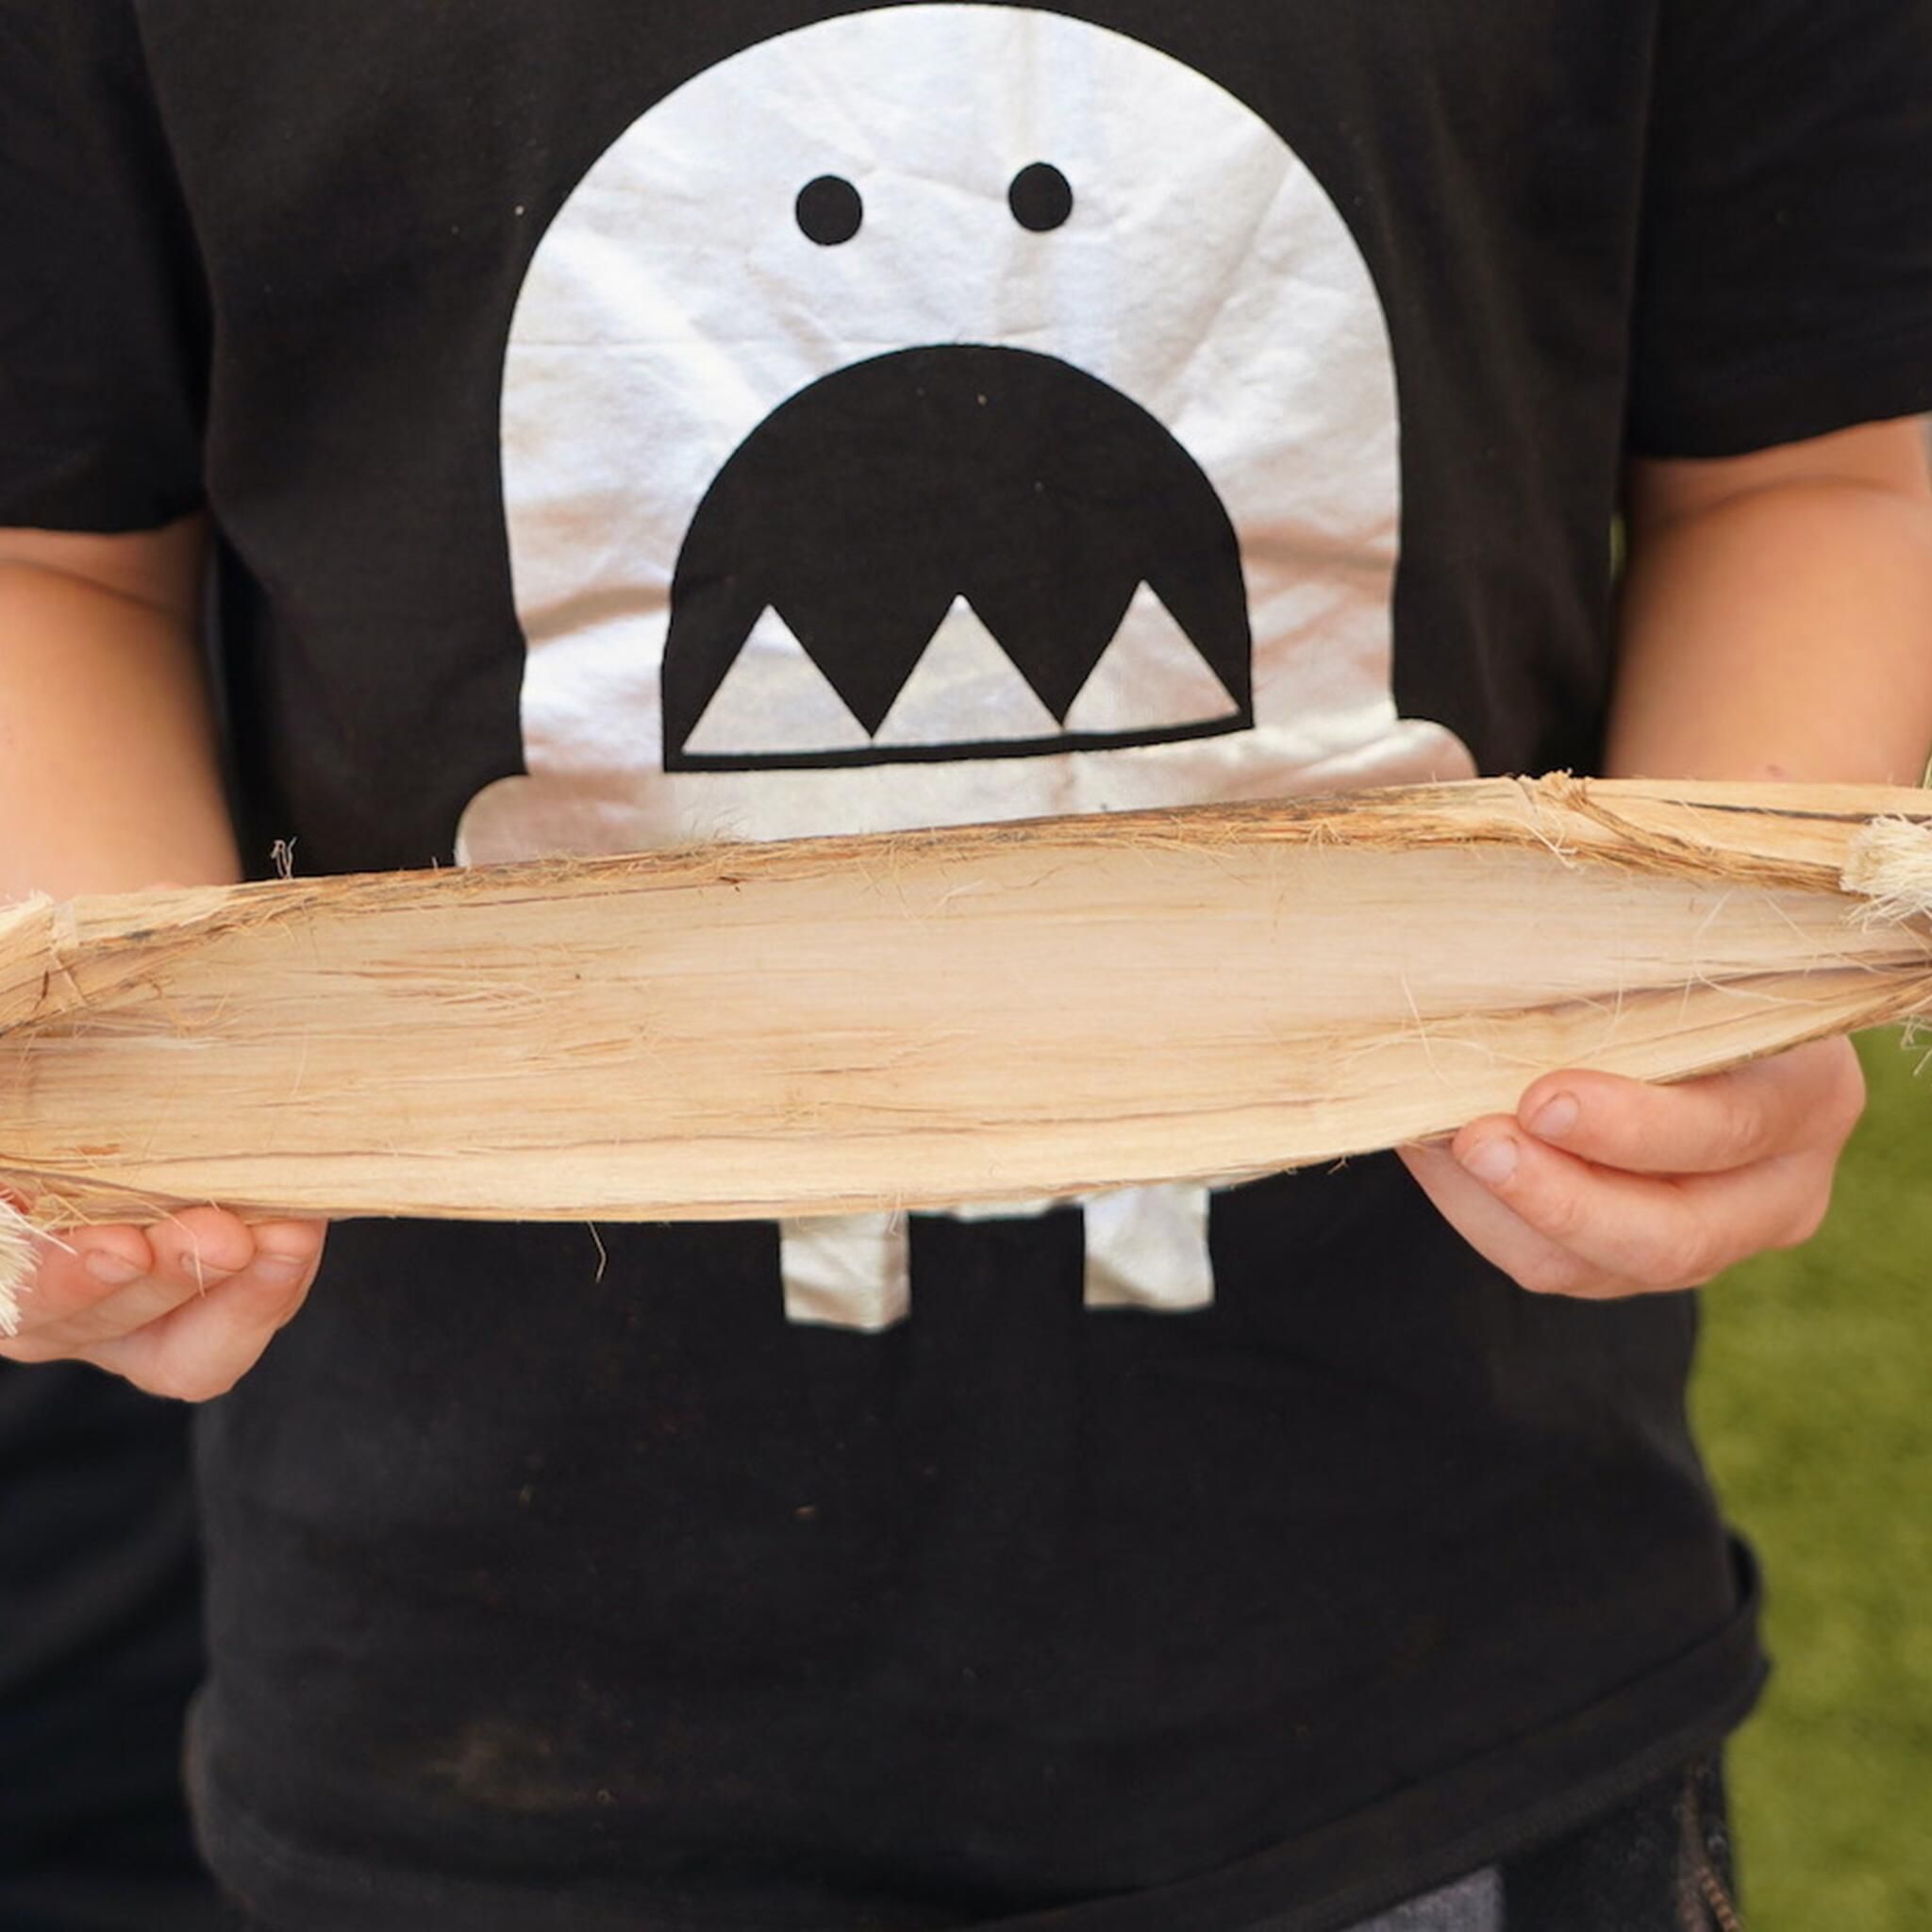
(78, 499)
(1423, 1837)
(1804, 391)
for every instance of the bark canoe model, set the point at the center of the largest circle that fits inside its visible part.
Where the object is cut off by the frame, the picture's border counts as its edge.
(987, 1014)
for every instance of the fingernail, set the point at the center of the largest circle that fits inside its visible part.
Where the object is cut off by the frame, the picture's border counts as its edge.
(112, 1270)
(1491, 1161)
(1554, 1117)
(281, 1271)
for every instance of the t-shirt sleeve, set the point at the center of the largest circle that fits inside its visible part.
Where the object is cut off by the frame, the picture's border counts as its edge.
(1785, 263)
(103, 317)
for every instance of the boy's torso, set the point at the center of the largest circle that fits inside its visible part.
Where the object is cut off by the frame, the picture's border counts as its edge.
(635, 423)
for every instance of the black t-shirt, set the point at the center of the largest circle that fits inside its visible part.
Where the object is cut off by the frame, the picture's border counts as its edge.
(626, 424)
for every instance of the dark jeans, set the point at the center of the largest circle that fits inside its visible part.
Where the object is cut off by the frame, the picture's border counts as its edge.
(1660, 1862)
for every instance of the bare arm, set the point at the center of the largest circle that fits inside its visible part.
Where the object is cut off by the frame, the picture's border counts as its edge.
(109, 777)
(1776, 619)
(1777, 622)
(110, 781)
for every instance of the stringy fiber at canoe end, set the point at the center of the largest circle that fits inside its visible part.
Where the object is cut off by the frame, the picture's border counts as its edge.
(16, 1264)
(1888, 864)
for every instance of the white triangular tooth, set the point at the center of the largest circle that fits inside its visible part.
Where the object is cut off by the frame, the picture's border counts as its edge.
(774, 699)
(1151, 675)
(965, 689)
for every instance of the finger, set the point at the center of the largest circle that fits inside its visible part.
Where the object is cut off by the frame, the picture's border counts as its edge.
(84, 1263)
(280, 1254)
(76, 1270)
(88, 1286)
(285, 1250)
(1650, 1231)
(203, 1347)
(99, 1285)
(191, 1252)
(90, 1293)
(114, 1256)
(201, 1246)
(1808, 1098)
(1503, 1239)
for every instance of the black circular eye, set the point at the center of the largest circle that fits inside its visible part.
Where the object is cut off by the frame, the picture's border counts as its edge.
(829, 210)
(1039, 197)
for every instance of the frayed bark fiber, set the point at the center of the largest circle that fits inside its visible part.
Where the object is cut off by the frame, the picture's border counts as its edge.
(934, 1018)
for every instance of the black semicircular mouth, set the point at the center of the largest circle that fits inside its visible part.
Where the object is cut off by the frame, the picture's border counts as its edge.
(953, 553)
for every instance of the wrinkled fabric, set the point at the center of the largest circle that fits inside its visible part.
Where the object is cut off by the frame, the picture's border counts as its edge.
(590, 413)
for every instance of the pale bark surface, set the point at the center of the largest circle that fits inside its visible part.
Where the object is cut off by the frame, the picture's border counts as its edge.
(977, 1015)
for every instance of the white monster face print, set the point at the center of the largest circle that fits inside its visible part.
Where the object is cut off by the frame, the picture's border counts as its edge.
(943, 413)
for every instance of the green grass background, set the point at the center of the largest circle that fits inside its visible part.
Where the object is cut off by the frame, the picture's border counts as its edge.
(1814, 1398)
